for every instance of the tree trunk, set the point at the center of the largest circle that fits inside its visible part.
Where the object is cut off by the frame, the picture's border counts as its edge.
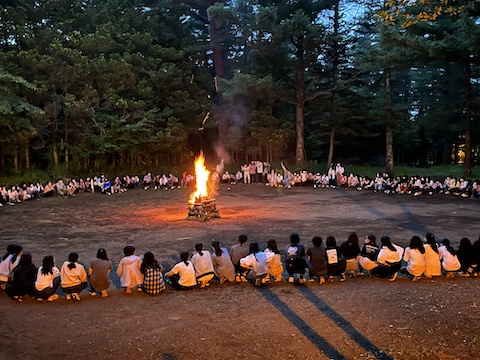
(15, 160)
(56, 158)
(27, 156)
(469, 120)
(299, 108)
(389, 123)
(330, 147)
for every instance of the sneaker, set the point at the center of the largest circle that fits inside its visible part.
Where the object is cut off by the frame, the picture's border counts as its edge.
(203, 284)
(243, 278)
(104, 293)
(237, 278)
(321, 280)
(39, 299)
(264, 281)
(223, 280)
(68, 297)
(343, 277)
(53, 297)
(331, 279)
(393, 276)
(464, 274)
(312, 280)
(302, 281)
(361, 273)
(128, 290)
(18, 298)
(93, 293)
(416, 278)
(3, 286)
(76, 296)
(258, 282)
(139, 289)
(291, 279)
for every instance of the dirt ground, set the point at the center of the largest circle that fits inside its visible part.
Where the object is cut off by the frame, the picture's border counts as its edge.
(362, 318)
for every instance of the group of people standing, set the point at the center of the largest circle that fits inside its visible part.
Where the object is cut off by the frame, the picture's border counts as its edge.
(322, 262)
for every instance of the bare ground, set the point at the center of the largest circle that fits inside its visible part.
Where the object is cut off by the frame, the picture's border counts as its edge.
(362, 318)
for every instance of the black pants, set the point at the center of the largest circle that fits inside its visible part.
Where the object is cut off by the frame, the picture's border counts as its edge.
(295, 266)
(74, 289)
(384, 271)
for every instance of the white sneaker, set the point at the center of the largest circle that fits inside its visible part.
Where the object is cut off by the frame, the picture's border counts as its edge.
(68, 297)
(291, 279)
(76, 296)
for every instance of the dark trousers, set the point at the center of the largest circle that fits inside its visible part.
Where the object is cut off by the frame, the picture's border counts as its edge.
(384, 271)
(74, 289)
(174, 279)
(295, 266)
(49, 291)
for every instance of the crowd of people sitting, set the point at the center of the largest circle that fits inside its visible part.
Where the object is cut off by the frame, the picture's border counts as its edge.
(322, 261)
(256, 172)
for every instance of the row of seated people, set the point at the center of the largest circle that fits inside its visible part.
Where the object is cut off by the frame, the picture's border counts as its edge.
(322, 261)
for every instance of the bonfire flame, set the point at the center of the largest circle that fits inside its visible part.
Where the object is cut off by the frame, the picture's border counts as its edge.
(201, 179)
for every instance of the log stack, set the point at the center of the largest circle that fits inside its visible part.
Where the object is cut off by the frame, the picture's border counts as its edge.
(202, 210)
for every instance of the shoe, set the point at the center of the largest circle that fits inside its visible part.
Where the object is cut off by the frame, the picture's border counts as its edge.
(331, 279)
(264, 281)
(93, 293)
(361, 273)
(68, 297)
(139, 289)
(343, 277)
(428, 276)
(18, 298)
(258, 282)
(393, 276)
(128, 290)
(321, 280)
(76, 296)
(104, 293)
(3, 286)
(222, 281)
(312, 280)
(202, 285)
(243, 278)
(291, 279)
(278, 278)
(464, 274)
(39, 299)
(416, 278)
(53, 297)
(237, 278)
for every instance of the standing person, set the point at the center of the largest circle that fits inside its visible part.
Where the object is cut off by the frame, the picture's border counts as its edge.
(99, 272)
(331, 176)
(48, 280)
(151, 269)
(295, 262)
(350, 251)
(449, 259)
(252, 170)
(222, 264)
(414, 256)
(274, 261)
(336, 264)
(182, 275)
(129, 270)
(23, 278)
(316, 257)
(202, 262)
(246, 174)
(389, 260)
(432, 258)
(256, 262)
(368, 254)
(73, 277)
(238, 252)
(339, 170)
(10, 260)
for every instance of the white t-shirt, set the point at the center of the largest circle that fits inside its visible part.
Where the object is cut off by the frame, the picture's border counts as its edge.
(415, 261)
(186, 273)
(203, 263)
(388, 256)
(449, 262)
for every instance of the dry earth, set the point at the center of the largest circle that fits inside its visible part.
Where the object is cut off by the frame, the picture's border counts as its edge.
(362, 318)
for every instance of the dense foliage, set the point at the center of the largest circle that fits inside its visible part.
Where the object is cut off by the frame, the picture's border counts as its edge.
(117, 84)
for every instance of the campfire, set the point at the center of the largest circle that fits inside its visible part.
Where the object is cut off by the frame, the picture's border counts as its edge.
(200, 206)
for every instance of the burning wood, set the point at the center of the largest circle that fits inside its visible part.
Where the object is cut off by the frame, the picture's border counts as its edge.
(200, 206)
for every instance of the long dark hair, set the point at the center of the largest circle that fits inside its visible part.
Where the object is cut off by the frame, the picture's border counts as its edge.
(331, 242)
(216, 247)
(450, 249)
(416, 243)
(102, 254)
(148, 261)
(47, 265)
(13, 249)
(385, 241)
(254, 249)
(465, 246)
(353, 239)
(25, 259)
(73, 258)
(372, 239)
(272, 245)
(184, 257)
(199, 248)
(430, 238)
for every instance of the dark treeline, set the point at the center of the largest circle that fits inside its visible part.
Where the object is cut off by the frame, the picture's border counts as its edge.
(117, 84)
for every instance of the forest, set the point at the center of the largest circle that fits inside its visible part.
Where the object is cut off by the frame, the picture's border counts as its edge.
(134, 84)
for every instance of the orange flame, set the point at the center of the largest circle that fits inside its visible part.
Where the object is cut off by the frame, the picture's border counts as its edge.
(201, 179)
